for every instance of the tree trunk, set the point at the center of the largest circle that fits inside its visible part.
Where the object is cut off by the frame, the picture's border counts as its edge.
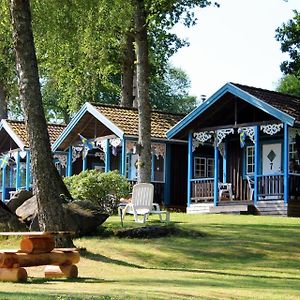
(3, 102)
(128, 72)
(144, 109)
(46, 181)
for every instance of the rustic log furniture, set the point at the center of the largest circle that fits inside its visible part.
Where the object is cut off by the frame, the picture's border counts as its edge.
(37, 249)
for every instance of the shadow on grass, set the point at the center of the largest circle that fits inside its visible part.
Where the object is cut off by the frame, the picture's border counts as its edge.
(42, 296)
(105, 259)
(35, 280)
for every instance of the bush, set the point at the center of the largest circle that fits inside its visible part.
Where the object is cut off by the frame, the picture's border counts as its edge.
(102, 189)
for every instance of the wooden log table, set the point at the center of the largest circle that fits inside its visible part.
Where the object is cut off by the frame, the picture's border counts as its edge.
(37, 249)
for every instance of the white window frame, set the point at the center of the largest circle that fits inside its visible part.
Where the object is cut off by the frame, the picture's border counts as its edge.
(252, 165)
(206, 161)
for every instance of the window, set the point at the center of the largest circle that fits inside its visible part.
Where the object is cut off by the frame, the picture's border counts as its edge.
(250, 166)
(158, 165)
(158, 172)
(203, 167)
(293, 151)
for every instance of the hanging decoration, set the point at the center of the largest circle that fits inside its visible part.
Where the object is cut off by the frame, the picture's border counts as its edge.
(87, 145)
(76, 153)
(242, 137)
(115, 143)
(221, 134)
(130, 146)
(4, 161)
(158, 150)
(246, 132)
(271, 129)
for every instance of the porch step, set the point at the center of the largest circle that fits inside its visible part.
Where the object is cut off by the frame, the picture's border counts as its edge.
(272, 208)
(208, 208)
(228, 208)
(199, 208)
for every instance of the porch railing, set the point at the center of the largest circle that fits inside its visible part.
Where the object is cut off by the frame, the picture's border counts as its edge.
(270, 187)
(294, 181)
(202, 190)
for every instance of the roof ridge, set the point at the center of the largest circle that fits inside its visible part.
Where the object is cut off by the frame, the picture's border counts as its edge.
(265, 90)
(135, 109)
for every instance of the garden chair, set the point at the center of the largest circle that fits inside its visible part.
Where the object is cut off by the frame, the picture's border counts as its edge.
(225, 189)
(250, 187)
(142, 204)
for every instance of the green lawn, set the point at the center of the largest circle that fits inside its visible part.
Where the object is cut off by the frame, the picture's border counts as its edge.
(236, 257)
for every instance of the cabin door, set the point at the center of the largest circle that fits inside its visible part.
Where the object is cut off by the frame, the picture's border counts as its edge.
(271, 158)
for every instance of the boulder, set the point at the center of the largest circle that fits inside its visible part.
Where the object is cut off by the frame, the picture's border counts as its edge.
(83, 217)
(18, 199)
(27, 211)
(9, 221)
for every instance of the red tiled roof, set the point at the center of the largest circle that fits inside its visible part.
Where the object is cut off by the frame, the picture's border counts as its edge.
(126, 119)
(19, 129)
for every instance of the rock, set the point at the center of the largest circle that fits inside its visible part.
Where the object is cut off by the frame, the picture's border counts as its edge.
(9, 221)
(83, 217)
(18, 199)
(27, 211)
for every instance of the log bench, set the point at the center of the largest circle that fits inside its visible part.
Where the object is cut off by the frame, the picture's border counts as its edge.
(37, 249)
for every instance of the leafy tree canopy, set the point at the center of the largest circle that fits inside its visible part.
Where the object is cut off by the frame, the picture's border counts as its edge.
(289, 84)
(170, 92)
(289, 37)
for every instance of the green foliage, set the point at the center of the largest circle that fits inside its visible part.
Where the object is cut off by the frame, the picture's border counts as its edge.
(170, 92)
(289, 37)
(289, 84)
(102, 189)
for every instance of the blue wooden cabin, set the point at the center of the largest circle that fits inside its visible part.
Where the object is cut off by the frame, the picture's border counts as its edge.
(104, 137)
(15, 155)
(243, 151)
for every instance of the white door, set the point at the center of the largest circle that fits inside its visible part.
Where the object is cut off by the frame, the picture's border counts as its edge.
(271, 158)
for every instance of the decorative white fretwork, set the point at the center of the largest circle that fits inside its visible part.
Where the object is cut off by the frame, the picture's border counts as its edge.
(292, 134)
(76, 152)
(62, 158)
(203, 136)
(249, 131)
(271, 129)
(158, 150)
(100, 155)
(130, 146)
(195, 145)
(221, 134)
(23, 154)
(115, 142)
(103, 145)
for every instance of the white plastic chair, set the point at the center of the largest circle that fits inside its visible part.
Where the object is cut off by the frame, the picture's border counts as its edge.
(225, 188)
(251, 187)
(142, 204)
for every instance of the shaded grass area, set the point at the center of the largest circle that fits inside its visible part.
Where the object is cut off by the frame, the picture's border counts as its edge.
(203, 256)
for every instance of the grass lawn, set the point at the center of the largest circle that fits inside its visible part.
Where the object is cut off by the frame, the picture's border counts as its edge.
(237, 257)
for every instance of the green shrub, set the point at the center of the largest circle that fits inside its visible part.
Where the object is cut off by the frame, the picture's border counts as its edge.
(102, 189)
